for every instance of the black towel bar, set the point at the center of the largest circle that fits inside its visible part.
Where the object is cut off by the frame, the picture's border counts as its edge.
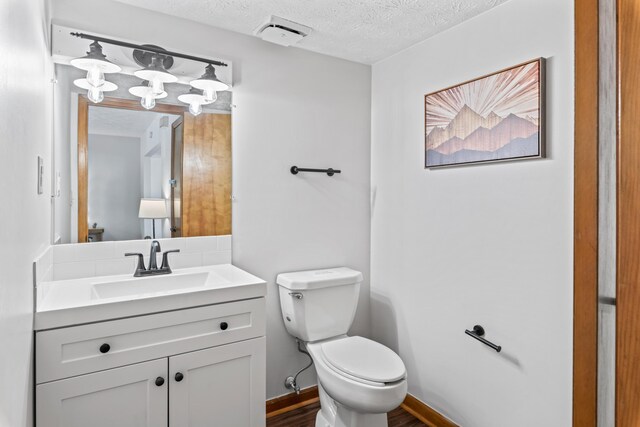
(294, 170)
(477, 333)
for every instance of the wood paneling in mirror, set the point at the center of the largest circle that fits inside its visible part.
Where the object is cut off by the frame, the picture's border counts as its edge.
(206, 175)
(83, 169)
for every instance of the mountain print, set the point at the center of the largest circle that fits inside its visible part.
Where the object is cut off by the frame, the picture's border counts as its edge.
(493, 118)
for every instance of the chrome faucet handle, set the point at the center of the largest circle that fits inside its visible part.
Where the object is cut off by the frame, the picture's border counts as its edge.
(140, 268)
(165, 259)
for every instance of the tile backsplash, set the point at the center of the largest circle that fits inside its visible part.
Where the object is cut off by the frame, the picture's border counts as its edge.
(63, 262)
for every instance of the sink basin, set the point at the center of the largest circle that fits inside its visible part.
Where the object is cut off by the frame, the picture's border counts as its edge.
(148, 285)
(62, 303)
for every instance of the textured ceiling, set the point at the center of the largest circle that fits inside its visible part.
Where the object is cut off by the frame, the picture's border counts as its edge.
(113, 121)
(359, 30)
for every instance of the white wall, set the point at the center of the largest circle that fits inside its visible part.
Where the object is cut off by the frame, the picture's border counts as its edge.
(488, 244)
(114, 186)
(25, 128)
(293, 108)
(62, 95)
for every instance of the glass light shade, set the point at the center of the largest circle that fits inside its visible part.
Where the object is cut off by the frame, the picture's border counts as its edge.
(209, 81)
(95, 77)
(95, 95)
(156, 71)
(210, 95)
(153, 208)
(106, 87)
(157, 87)
(95, 59)
(195, 108)
(148, 101)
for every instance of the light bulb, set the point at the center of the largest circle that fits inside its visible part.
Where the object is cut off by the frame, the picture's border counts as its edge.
(195, 108)
(157, 87)
(210, 95)
(95, 77)
(95, 95)
(148, 101)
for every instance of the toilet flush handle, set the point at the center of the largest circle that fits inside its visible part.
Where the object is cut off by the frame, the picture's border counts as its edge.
(296, 295)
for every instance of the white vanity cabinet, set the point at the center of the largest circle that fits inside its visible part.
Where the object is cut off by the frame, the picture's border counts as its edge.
(201, 366)
(126, 396)
(220, 386)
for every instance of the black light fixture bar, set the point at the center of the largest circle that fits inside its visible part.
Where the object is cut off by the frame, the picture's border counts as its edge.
(147, 49)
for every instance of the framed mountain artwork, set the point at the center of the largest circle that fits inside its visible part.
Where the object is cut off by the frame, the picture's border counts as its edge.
(498, 117)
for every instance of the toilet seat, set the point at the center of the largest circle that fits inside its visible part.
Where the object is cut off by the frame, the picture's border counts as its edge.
(363, 360)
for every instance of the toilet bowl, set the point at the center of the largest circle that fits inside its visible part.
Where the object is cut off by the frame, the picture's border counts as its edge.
(364, 378)
(359, 380)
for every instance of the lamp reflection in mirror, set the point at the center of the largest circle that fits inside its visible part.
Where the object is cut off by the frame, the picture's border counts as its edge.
(95, 94)
(195, 99)
(146, 94)
(153, 209)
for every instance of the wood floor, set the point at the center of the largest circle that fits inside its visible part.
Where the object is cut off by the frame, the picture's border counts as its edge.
(306, 417)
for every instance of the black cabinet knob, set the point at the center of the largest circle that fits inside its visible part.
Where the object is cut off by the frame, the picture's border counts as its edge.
(179, 376)
(224, 326)
(159, 381)
(104, 348)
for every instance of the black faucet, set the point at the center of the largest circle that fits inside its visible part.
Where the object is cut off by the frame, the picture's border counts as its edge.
(155, 249)
(153, 269)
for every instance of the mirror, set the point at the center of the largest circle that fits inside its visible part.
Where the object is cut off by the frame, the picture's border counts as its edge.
(123, 172)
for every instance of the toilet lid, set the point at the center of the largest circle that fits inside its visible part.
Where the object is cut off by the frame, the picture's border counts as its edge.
(365, 359)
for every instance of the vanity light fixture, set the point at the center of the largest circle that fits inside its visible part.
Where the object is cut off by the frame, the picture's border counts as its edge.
(156, 61)
(209, 84)
(95, 94)
(156, 74)
(96, 65)
(146, 95)
(195, 99)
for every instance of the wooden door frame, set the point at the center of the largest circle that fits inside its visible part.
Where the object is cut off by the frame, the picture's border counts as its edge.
(585, 238)
(83, 149)
(627, 370)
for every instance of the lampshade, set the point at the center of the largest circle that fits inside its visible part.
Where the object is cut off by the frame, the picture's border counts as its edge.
(156, 71)
(143, 90)
(193, 96)
(95, 58)
(84, 84)
(209, 81)
(153, 208)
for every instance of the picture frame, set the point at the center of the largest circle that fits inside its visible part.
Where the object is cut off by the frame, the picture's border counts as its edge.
(494, 118)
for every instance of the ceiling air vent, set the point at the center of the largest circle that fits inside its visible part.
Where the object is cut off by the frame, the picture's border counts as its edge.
(281, 31)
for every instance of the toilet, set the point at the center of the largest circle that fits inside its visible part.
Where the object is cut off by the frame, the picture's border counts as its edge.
(359, 380)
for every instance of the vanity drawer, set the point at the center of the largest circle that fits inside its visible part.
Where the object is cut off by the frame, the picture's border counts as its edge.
(77, 350)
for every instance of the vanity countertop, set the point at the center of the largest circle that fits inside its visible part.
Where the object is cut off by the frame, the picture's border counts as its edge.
(71, 302)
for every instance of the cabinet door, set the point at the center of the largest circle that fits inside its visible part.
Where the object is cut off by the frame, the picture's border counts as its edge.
(127, 396)
(219, 387)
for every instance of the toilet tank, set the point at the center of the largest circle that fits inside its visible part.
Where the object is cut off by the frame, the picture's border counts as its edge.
(319, 304)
